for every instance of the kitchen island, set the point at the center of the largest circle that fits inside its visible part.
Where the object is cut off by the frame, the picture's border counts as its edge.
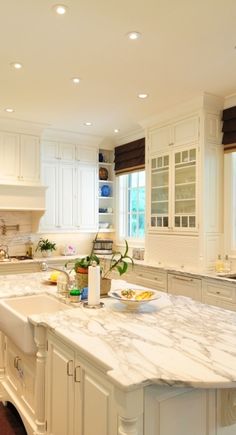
(168, 368)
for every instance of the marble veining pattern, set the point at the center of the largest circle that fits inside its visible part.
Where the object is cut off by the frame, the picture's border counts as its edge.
(170, 341)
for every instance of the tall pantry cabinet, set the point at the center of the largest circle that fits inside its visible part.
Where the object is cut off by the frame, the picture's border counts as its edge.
(184, 160)
(70, 173)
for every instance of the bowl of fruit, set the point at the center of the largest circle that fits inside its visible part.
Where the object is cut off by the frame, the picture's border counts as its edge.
(134, 298)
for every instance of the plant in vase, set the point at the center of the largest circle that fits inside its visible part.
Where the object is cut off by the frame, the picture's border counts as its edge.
(45, 247)
(81, 266)
(119, 262)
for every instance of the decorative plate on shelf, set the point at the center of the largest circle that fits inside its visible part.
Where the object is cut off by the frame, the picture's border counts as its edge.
(134, 298)
(106, 190)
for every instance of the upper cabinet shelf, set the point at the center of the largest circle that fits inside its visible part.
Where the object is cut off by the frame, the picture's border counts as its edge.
(106, 190)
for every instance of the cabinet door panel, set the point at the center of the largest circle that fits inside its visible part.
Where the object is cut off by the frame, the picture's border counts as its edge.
(66, 196)
(160, 191)
(50, 220)
(86, 154)
(87, 204)
(60, 390)
(29, 158)
(50, 150)
(159, 139)
(67, 152)
(185, 131)
(9, 156)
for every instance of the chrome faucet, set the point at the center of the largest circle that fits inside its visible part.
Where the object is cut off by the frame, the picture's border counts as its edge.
(45, 267)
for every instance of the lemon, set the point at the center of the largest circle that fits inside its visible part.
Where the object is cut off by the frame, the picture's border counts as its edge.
(54, 276)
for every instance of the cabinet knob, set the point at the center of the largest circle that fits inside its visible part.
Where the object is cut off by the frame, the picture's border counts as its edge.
(171, 144)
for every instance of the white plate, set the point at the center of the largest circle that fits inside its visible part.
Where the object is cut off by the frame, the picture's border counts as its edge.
(133, 303)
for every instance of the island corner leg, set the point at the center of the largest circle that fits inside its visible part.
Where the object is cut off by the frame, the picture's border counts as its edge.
(40, 418)
(130, 412)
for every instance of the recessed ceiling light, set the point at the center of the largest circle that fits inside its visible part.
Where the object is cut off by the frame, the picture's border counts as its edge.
(60, 9)
(134, 35)
(142, 96)
(16, 65)
(88, 123)
(9, 110)
(116, 130)
(75, 80)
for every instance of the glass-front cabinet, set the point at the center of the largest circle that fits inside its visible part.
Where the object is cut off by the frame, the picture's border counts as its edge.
(173, 190)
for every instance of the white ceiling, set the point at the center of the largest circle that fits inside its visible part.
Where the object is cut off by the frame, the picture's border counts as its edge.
(187, 47)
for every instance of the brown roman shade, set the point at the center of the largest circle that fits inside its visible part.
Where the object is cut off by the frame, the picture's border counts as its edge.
(229, 129)
(130, 157)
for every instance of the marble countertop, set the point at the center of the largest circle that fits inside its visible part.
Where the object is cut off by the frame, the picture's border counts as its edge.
(170, 341)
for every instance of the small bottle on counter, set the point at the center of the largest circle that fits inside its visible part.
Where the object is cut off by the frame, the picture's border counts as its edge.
(75, 295)
(227, 265)
(219, 265)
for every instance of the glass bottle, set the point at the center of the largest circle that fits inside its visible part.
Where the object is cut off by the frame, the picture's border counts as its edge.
(219, 265)
(227, 265)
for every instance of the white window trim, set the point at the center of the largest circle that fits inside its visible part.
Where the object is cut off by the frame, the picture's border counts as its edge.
(230, 205)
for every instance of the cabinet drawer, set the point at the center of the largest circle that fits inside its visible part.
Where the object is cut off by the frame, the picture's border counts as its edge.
(185, 286)
(219, 303)
(222, 292)
(150, 278)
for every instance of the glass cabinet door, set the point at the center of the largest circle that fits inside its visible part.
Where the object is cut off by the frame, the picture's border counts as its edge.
(160, 191)
(185, 189)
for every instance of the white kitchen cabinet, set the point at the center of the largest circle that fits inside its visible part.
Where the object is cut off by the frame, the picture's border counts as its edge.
(71, 196)
(85, 154)
(149, 277)
(20, 372)
(184, 192)
(19, 158)
(68, 152)
(9, 156)
(181, 132)
(94, 408)
(52, 150)
(29, 159)
(87, 198)
(219, 293)
(60, 388)
(79, 398)
(181, 285)
(173, 190)
(66, 195)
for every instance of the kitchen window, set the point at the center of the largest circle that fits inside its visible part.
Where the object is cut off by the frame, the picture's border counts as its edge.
(131, 207)
(230, 203)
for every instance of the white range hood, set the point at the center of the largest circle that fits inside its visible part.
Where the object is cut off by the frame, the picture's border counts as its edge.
(20, 197)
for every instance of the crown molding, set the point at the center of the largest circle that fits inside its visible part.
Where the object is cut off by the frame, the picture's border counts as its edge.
(209, 102)
(20, 126)
(85, 139)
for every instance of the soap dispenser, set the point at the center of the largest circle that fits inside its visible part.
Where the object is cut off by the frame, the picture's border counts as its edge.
(219, 265)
